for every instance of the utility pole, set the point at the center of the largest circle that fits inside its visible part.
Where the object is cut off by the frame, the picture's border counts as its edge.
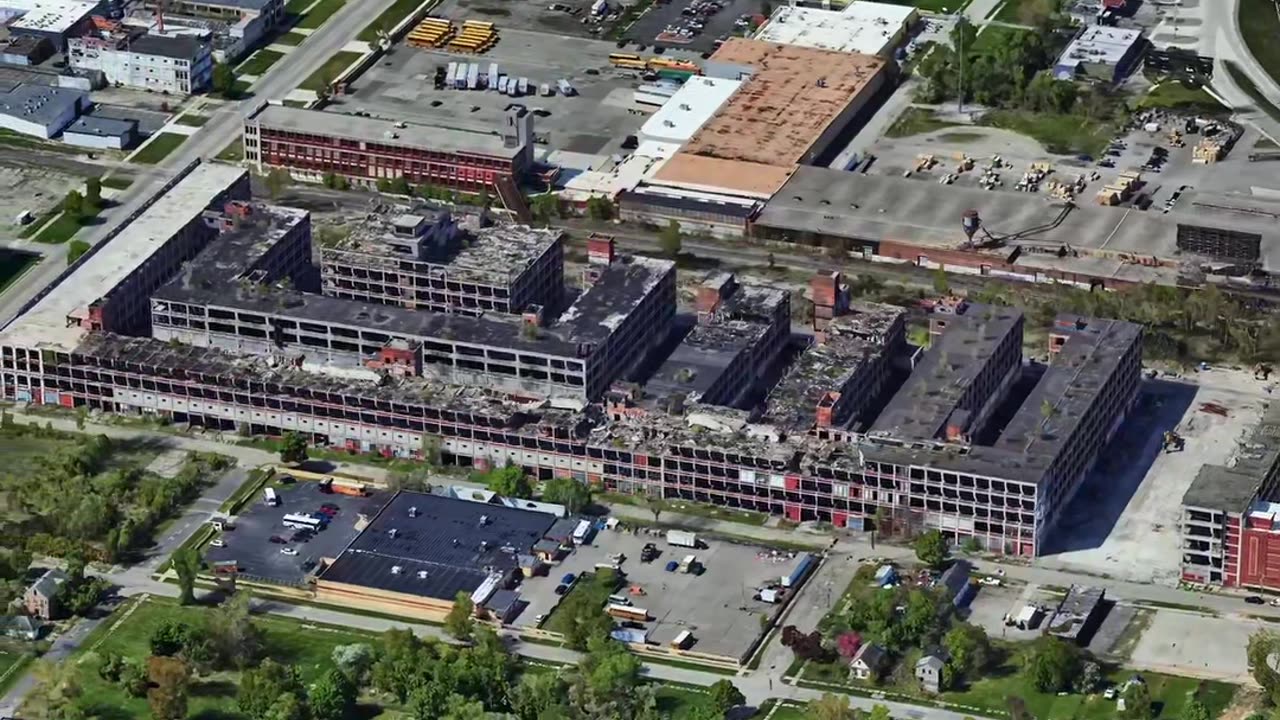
(960, 53)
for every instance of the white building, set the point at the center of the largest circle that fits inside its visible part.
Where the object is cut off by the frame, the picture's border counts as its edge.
(688, 109)
(54, 20)
(178, 65)
(869, 28)
(39, 110)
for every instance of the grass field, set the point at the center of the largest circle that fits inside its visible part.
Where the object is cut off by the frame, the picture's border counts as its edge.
(1010, 11)
(13, 263)
(303, 646)
(916, 121)
(934, 6)
(259, 63)
(696, 509)
(233, 152)
(389, 18)
(1063, 134)
(318, 14)
(195, 119)
(327, 72)
(22, 453)
(117, 182)
(1246, 85)
(159, 148)
(62, 229)
(292, 39)
(585, 592)
(1173, 94)
(14, 656)
(1260, 27)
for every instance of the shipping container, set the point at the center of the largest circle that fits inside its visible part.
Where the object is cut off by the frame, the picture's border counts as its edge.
(502, 84)
(473, 76)
(632, 636)
(797, 569)
(682, 538)
(451, 78)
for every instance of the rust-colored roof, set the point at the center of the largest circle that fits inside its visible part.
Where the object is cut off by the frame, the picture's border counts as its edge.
(699, 172)
(780, 112)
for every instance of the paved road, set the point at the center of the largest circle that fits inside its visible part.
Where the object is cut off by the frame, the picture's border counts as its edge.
(224, 126)
(62, 648)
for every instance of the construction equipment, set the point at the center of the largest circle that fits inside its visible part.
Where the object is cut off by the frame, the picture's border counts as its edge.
(925, 161)
(1173, 442)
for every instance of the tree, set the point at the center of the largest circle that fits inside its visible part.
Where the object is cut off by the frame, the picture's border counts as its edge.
(293, 449)
(1194, 710)
(968, 647)
(931, 548)
(539, 696)
(508, 481)
(941, 284)
(262, 687)
(56, 691)
(186, 563)
(288, 706)
(656, 505)
(332, 697)
(276, 181)
(355, 661)
(93, 192)
(574, 495)
(671, 239)
(1137, 702)
(1090, 679)
(1263, 647)
(544, 206)
(73, 205)
(231, 637)
(922, 621)
(167, 692)
(460, 622)
(170, 638)
(725, 696)
(224, 80)
(1051, 664)
(830, 707)
(879, 712)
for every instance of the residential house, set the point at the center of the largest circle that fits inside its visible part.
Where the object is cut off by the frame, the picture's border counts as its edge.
(20, 627)
(870, 662)
(929, 671)
(957, 584)
(41, 599)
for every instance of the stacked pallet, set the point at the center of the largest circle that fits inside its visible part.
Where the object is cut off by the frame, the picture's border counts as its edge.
(432, 32)
(476, 37)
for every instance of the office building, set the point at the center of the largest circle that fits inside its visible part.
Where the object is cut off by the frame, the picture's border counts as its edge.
(1101, 53)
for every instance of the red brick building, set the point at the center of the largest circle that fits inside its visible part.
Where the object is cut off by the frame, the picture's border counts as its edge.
(311, 144)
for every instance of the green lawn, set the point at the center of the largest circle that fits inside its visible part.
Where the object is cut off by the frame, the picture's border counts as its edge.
(389, 18)
(259, 63)
(117, 182)
(1260, 27)
(14, 657)
(195, 119)
(916, 121)
(1063, 134)
(317, 16)
(993, 35)
(696, 509)
(934, 6)
(327, 72)
(30, 228)
(677, 703)
(22, 453)
(233, 152)
(1174, 94)
(18, 140)
(62, 229)
(12, 264)
(292, 39)
(306, 647)
(1245, 84)
(159, 148)
(1010, 11)
(295, 7)
(585, 592)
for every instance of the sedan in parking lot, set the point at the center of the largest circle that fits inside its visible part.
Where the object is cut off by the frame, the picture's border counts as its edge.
(288, 551)
(1255, 600)
(277, 540)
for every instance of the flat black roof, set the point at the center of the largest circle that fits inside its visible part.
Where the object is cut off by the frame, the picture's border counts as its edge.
(447, 546)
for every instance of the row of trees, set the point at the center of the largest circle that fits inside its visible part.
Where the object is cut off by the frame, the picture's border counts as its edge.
(511, 481)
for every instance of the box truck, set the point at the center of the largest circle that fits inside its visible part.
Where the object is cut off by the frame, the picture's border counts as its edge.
(682, 538)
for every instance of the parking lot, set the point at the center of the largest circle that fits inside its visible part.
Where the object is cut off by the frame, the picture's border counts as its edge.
(716, 606)
(535, 16)
(1197, 645)
(595, 121)
(250, 545)
(659, 24)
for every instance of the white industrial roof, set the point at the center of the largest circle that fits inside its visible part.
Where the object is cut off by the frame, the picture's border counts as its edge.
(869, 28)
(638, 167)
(689, 108)
(45, 325)
(55, 16)
(1099, 44)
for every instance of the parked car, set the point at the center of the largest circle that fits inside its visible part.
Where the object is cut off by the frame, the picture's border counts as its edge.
(218, 542)
(277, 540)
(568, 579)
(671, 566)
(288, 551)
(1255, 600)
(562, 589)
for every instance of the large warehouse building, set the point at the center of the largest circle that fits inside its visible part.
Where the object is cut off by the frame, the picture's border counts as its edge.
(869, 28)
(186, 315)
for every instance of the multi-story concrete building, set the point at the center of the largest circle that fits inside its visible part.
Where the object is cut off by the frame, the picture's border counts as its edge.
(242, 24)
(426, 261)
(181, 65)
(312, 143)
(1231, 515)
(234, 345)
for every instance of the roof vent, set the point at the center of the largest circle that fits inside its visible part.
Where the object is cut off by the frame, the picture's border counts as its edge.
(393, 532)
(484, 520)
(413, 511)
(484, 545)
(422, 574)
(396, 569)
